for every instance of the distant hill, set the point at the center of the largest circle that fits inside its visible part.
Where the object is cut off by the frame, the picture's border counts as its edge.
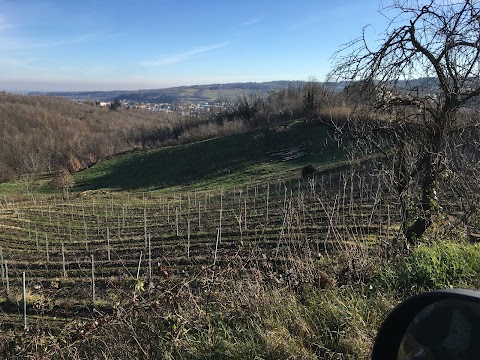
(181, 94)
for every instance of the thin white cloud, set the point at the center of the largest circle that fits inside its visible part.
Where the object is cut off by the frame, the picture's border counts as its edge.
(253, 21)
(185, 55)
(11, 43)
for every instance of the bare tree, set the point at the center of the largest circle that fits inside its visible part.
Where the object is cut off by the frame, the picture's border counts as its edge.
(64, 180)
(423, 76)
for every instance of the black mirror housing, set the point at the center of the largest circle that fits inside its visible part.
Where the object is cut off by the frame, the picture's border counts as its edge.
(395, 326)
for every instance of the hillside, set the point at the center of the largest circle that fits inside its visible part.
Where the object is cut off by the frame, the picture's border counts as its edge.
(232, 255)
(183, 94)
(212, 246)
(266, 153)
(44, 134)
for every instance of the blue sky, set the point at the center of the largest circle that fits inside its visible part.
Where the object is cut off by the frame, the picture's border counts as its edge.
(140, 44)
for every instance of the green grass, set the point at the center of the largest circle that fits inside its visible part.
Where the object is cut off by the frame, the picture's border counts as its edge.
(209, 317)
(19, 189)
(438, 265)
(12, 188)
(236, 159)
(246, 320)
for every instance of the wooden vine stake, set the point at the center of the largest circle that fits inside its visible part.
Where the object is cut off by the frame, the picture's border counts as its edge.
(268, 194)
(176, 219)
(2, 264)
(46, 247)
(24, 299)
(245, 215)
(145, 221)
(199, 214)
(188, 239)
(86, 235)
(219, 237)
(139, 264)
(118, 226)
(63, 261)
(108, 244)
(388, 222)
(149, 259)
(98, 224)
(216, 247)
(93, 280)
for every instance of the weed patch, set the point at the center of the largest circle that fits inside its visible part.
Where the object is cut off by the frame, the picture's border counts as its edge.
(438, 265)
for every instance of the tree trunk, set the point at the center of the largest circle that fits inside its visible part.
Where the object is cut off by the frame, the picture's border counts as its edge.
(421, 218)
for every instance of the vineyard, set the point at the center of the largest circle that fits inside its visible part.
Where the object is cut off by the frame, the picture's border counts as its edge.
(281, 225)
(85, 254)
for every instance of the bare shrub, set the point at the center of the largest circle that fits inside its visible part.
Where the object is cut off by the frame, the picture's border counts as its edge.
(73, 164)
(64, 180)
(308, 171)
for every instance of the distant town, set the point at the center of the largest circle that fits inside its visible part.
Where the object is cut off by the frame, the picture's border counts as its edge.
(185, 109)
(184, 100)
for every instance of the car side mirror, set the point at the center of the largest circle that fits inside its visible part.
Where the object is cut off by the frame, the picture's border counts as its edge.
(443, 324)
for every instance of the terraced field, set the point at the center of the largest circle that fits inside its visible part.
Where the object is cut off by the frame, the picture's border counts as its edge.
(135, 243)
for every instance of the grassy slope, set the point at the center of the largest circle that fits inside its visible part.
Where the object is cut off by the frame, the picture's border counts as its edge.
(249, 319)
(236, 159)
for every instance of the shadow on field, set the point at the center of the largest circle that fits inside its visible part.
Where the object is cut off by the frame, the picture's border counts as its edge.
(290, 145)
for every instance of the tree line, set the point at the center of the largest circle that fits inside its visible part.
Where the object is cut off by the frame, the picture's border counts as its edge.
(43, 134)
(47, 134)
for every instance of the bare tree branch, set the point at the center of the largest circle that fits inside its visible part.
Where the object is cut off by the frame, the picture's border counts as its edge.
(417, 81)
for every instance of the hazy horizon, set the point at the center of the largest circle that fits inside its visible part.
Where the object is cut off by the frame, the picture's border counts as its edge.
(49, 45)
(22, 88)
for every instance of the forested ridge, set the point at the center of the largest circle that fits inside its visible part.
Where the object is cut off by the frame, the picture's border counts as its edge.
(45, 134)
